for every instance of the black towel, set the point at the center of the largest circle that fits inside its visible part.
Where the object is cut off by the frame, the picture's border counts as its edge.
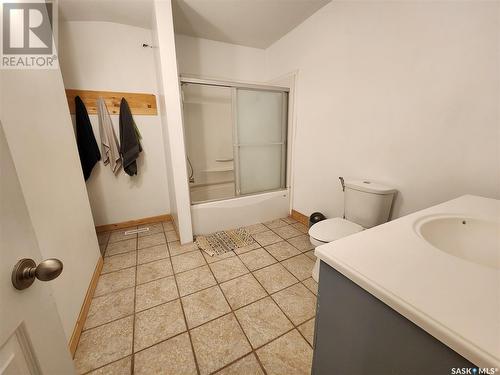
(85, 140)
(130, 147)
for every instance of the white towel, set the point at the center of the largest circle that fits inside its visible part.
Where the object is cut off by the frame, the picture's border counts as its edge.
(110, 147)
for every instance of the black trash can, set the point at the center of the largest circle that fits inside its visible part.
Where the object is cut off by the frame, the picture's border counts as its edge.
(315, 218)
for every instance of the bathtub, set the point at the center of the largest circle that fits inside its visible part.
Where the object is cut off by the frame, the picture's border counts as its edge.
(238, 212)
(437, 267)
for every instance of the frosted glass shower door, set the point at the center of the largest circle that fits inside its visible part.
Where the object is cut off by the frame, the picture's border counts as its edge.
(259, 136)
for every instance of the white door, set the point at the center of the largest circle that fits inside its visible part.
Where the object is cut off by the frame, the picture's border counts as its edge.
(32, 340)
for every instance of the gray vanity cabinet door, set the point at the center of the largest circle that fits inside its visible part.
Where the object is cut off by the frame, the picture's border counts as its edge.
(357, 334)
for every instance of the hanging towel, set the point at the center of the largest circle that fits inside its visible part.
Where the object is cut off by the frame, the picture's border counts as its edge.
(110, 149)
(130, 145)
(85, 140)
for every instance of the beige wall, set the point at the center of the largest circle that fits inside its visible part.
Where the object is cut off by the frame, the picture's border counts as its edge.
(404, 93)
(212, 59)
(97, 56)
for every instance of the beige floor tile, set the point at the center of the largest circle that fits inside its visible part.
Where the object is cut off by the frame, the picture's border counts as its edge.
(153, 229)
(228, 269)
(242, 291)
(121, 367)
(118, 262)
(266, 238)
(256, 228)
(151, 240)
(102, 345)
(171, 357)
(155, 293)
(115, 281)
(300, 266)
(110, 307)
(275, 224)
(103, 237)
(172, 236)
(301, 227)
(307, 330)
(244, 249)
(297, 302)
(204, 305)
(311, 285)
(119, 235)
(158, 324)
(150, 254)
(218, 343)
(282, 250)
(274, 278)
(121, 247)
(290, 354)
(217, 257)
(287, 232)
(188, 261)
(168, 226)
(176, 248)
(154, 270)
(311, 255)
(194, 280)
(289, 220)
(256, 259)
(245, 366)
(262, 321)
(302, 242)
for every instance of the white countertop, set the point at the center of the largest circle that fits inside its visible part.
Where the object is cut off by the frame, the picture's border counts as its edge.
(456, 301)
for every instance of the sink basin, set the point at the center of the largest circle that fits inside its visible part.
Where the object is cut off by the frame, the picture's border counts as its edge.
(472, 239)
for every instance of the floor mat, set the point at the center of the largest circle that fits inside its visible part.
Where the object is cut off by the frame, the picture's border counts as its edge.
(224, 241)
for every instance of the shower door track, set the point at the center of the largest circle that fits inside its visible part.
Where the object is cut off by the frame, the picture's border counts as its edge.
(231, 84)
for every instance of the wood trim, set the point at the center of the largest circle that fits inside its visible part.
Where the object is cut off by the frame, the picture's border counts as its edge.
(301, 218)
(131, 223)
(140, 104)
(77, 331)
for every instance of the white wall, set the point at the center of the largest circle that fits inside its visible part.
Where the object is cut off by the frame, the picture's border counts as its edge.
(171, 117)
(404, 93)
(110, 57)
(37, 125)
(211, 59)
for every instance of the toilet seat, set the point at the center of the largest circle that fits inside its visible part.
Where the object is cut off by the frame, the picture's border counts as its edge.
(332, 229)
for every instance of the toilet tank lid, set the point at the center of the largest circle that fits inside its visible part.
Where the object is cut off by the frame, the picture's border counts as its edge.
(369, 187)
(332, 229)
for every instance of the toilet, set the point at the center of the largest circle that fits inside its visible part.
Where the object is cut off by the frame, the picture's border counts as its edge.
(366, 204)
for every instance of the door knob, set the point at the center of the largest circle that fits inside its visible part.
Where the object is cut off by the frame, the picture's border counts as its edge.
(25, 271)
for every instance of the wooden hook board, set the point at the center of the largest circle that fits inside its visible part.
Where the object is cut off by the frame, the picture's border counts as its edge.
(140, 104)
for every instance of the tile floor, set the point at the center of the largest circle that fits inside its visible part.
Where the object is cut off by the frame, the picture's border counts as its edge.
(163, 308)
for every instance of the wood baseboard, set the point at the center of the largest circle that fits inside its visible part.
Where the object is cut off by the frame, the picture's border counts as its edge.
(301, 218)
(131, 223)
(77, 331)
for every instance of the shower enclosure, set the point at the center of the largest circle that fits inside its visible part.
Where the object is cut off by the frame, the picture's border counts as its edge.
(236, 143)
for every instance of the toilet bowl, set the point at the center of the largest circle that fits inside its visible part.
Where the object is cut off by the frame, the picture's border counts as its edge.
(366, 204)
(330, 230)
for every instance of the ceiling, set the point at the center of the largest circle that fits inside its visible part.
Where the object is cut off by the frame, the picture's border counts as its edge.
(253, 23)
(129, 12)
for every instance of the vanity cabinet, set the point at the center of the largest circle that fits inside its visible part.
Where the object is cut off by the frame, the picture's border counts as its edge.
(357, 334)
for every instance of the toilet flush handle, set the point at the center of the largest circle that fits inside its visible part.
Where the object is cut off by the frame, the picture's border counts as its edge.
(342, 183)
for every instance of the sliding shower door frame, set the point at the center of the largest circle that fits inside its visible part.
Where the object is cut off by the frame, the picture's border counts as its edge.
(234, 86)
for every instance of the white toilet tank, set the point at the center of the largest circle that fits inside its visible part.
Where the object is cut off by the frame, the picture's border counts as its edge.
(367, 203)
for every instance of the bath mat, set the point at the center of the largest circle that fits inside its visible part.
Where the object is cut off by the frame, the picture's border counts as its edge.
(224, 241)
